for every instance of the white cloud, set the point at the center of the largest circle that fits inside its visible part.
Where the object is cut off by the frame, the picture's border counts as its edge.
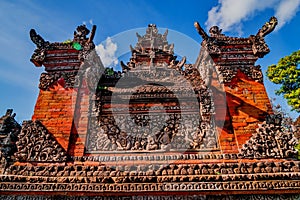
(286, 10)
(229, 14)
(107, 52)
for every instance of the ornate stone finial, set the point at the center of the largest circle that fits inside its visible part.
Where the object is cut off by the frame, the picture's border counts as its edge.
(152, 42)
(81, 32)
(37, 39)
(268, 27)
(39, 54)
(200, 30)
(209, 43)
(215, 31)
(260, 48)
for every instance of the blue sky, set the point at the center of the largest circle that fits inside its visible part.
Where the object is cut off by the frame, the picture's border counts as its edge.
(56, 20)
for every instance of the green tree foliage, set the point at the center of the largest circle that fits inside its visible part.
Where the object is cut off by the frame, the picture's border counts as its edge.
(287, 73)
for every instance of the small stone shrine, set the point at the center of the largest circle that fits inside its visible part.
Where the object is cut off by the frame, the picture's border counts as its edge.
(159, 129)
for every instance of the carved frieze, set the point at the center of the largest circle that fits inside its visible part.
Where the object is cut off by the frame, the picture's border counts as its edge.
(36, 144)
(160, 197)
(159, 173)
(149, 187)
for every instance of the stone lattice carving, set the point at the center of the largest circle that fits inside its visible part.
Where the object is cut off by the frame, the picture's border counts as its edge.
(270, 141)
(36, 144)
(9, 131)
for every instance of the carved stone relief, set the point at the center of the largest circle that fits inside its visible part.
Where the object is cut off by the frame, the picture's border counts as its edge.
(270, 141)
(36, 144)
(229, 72)
(66, 79)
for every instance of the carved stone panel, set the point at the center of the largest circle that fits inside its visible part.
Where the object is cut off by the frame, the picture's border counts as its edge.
(36, 144)
(153, 117)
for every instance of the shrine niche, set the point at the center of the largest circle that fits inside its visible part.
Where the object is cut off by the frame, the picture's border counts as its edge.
(161, 128)
(155, 103)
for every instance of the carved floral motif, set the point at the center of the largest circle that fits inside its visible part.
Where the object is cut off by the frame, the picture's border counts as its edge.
(36, 144)
(270, 141)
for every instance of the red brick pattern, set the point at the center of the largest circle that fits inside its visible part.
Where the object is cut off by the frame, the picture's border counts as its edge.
(54, 108)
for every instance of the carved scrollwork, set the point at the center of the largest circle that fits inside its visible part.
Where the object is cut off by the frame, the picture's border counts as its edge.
(256, 73)
(227, 73)
(35, 143)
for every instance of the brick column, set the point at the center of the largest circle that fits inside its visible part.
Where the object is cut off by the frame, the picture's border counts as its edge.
(60, 88)
(233, 60)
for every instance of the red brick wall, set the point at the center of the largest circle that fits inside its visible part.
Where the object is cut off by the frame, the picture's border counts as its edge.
(54, 109)
(80, 128)
(248, 105)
